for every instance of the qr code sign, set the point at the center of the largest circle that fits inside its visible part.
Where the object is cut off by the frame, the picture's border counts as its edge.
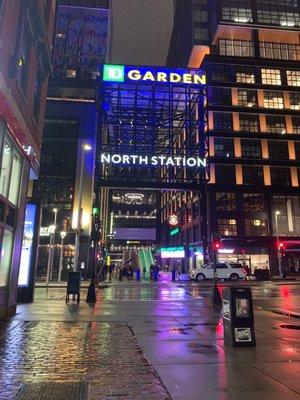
(242, 334)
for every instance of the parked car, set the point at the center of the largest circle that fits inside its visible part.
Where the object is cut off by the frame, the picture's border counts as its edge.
(225, 270)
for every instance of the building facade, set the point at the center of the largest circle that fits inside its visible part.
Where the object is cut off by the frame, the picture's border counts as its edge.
(25, 38)
(250, 51)
(80, 46)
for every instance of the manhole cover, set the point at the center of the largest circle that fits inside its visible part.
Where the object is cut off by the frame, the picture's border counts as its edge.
(296, 327)
(53, 390)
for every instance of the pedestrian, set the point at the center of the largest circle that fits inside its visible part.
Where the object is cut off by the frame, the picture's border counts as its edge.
(179, 272)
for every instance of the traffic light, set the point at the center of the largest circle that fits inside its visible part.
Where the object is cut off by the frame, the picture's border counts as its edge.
(216, 242)
(281, 248)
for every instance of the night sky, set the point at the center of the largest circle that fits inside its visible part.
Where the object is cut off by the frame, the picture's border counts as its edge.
(141, 31)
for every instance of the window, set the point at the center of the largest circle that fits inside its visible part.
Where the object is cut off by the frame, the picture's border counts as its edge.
(225, 201)
(219, 96)
(270, 76)
(273, 99)
(24, 57)
(225, 174)
(237, 48)
(256, 227)
(247, 98)
(227, 227)
(236, 14)
(224, 147)
(278, 150)
(254, 202)
(245, 77)
(253, 175)
(5, 257)
(276, 3)
(295, 100)
(297, 150)
(71, 73)
(251, 148)
(279, 51)
(15, 178)
(275, 124)
(222, 121)
(278, 17)
(293, 78)
(249, 123)
(220, 73)
(5, 168)
(281, 176)
(289, 218)
(296, 124)
(201, 33)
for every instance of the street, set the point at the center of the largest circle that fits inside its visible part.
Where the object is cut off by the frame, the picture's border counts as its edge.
(151, 340)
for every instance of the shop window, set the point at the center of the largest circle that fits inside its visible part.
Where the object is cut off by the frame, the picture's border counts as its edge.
(281, 176)
(278, 150)
(245, 77)
(235, 14)
(270, 76)
(254, 202)
(295, 100)
(237, 48)
(225, 201)
(224, 147)
(247, 98)
(15, 178)
(5, 257)
(273, 99)
(222, 121)
(251, 148)
(296, 125)
(275, 124)
(227, 227)
(225, 174)
(279, 51)
(293, 78)
(249, 123)
(253, 175)
(219, 96)
(256, 227)
(5, 168)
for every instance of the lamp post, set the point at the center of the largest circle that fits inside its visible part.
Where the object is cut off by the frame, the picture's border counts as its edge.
(61, 254)
(277, 237)
(50, 256)
(85, 148)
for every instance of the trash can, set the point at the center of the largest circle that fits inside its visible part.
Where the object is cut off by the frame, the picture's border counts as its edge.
(238, 317)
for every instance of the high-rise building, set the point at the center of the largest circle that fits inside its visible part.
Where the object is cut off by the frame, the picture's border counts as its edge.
(80, 46)
(250, 51)
(25, 43)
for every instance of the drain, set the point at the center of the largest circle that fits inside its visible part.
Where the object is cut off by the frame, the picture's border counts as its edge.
(53, 390)
(295, 327)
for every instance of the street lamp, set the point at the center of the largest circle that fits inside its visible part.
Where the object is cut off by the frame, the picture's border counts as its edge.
(277, 244)
(61, 254)
(85, 148)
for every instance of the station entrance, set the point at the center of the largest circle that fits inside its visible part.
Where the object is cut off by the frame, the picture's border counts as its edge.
(152, 146)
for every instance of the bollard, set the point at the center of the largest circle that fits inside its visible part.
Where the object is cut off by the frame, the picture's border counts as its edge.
(91, 294)
(173, 275)
(138, 275)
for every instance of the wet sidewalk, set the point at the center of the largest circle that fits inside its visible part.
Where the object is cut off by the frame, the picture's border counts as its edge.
(156, 340)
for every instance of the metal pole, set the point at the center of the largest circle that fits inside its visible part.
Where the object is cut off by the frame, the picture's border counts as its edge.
(278, 250)
(53, 243)
(78, 228)
(49, 260)
(60, 258)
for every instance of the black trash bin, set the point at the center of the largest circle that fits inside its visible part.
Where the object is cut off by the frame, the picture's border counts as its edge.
(238, 317)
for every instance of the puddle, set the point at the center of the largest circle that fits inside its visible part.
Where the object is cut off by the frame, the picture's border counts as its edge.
(294, 327)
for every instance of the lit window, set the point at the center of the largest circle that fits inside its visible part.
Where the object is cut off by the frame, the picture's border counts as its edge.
(244, 77)
(71, 73)
(293, 78)
(249, 123)
(227, 227)
(247, 98)
(279, 51)
(270, 76)
(237, 48)
(236, 14)
(273, 99)
(276, 124)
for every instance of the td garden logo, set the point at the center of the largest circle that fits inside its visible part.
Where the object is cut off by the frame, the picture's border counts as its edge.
(113, 73)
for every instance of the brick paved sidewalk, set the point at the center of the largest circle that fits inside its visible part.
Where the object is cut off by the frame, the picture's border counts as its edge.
(104, 355)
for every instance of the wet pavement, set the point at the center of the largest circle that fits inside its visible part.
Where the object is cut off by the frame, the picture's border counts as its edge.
(148, 340)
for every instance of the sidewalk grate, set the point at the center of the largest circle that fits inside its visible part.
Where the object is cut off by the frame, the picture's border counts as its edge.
(53, 391)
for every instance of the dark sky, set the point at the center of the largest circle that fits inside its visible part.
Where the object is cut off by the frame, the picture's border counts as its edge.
(141, 31)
